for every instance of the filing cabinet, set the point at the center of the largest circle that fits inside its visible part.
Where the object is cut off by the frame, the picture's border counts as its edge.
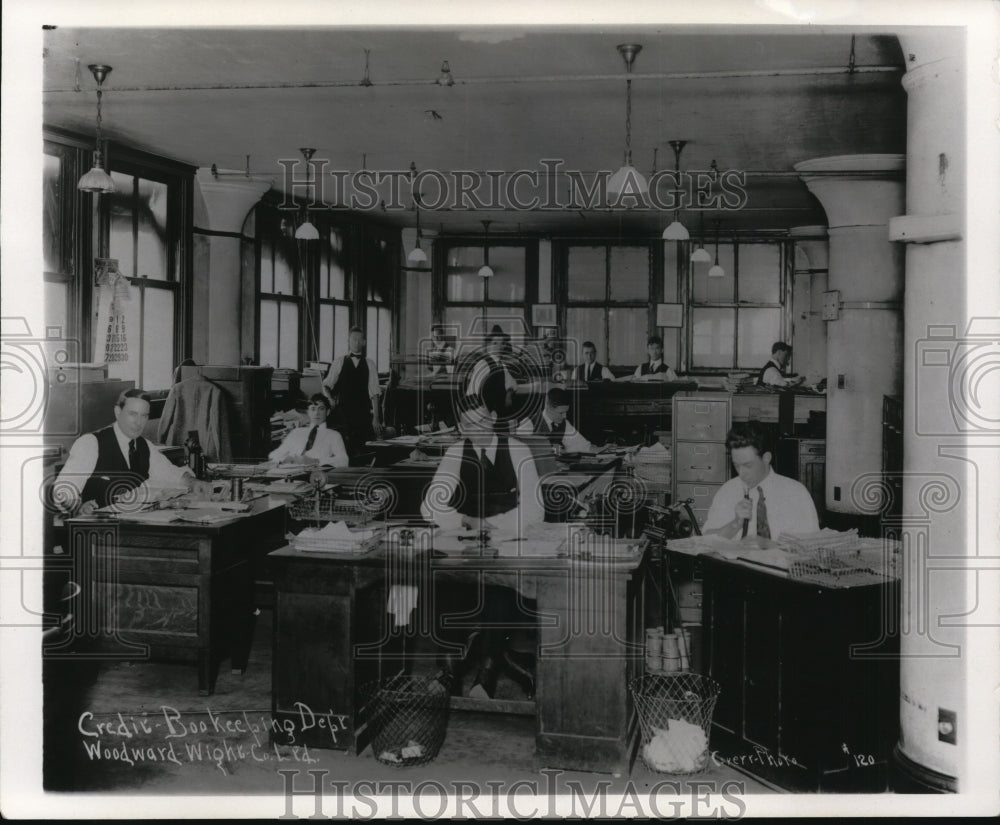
(701, 461)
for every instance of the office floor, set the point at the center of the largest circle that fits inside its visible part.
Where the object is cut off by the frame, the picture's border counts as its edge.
(177, 742)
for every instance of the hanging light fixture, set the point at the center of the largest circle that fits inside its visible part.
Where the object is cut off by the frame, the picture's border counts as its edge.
(628, 175)
(485, 271)
(700, 255)
(306, 231)
(676, 231)
(417, 255)
(97, 180)
(716, 271)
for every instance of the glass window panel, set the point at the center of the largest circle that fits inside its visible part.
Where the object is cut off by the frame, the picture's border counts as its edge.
(341, 329)
(384, 339)
(629, 273)
(760, 273)
(705, 290)
(371, 333)
(461, 274)
(266, 267)
(670, 282)
(627, 336)
(586, 272)
(712, 332)
(509, 319)
(325, 332)
(269, 333)
(121, 209)
(507, 283)
(282, 272)
(587, 325)
(671, 347)
(52, 213)
(288, 353)
(158, 339)
(757, 330)
(127, 370)
(469, 328)
(336, 257)
(151, 251)
(57, 305)
(324, 276)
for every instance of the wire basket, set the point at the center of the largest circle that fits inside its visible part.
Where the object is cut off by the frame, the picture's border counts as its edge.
(324, 506)
(675, 718)
(409, 718)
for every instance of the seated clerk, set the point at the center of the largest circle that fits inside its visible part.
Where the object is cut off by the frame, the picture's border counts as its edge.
(772, 374)
(440, 353)
(551, 421)
(490, 376)
(654, 368)
(488, 481)
(315, 442)
(590, 371)
(758, 502)
(117, 459)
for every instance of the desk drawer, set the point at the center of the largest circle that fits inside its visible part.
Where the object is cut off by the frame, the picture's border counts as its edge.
(700, 462)
(701, 419)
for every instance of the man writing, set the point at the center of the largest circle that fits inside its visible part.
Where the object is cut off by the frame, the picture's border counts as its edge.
(551, 421)
(352, 384)
(117, 459)
(772, 374)
(315, 442)
(758, 502)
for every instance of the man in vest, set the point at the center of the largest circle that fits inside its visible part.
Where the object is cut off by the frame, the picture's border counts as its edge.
(490, 377)
(590, 371)
(315, 442)
(352, 384)
(772, 374)
(551, 422)
(487, 481)
(116, 460)
(654, 368)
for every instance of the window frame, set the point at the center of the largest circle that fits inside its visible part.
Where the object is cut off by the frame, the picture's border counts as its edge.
(273, 228)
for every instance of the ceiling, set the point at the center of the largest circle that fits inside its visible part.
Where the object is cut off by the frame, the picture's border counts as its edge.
(756, 100)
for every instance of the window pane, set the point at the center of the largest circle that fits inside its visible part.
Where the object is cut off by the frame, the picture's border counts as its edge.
(282, 272)
(467, 321)
(371, 333)
(57, 306)
(341, 329)
(51, 213)
(627, 336)
(705, 290)
(461, 274)
(586, 325)
(288, 354)
(586, 269)
(158, 339)
(269, 333)
(712, 337)
(509, 319)
(336, 256)
(120, 209)
(384, 339)
(670, 282)
(325, 332)
(128, 340)
(152, 240)
(266, 267)
(757, 329)
(629, 273)
(760, 273)
(507, 283)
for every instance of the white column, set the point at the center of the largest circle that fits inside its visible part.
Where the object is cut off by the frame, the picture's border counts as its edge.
(860, 193)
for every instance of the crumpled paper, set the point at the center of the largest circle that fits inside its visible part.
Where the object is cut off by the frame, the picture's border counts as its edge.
(679, 748)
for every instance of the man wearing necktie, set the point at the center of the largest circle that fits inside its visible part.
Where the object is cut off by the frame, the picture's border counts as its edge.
(590, 370)
(315, 442)
(758, 502)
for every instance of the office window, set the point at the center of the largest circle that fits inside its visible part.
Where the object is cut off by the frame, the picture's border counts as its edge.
(59, 168)
(280, 306)
(334, 303)
(380, 272)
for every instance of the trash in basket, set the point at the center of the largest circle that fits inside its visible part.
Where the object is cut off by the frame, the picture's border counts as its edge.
(409, 717)
(675, 717)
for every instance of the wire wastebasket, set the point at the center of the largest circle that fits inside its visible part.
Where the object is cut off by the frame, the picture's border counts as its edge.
(409, 718)
(675, 717)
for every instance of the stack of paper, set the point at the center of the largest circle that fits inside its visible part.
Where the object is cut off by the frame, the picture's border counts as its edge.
(337, 537)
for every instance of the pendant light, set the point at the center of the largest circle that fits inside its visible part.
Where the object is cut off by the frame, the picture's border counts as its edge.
(627, 179)
(485, 271)
(306, 231)
(717, 271)
(97, 180)
(676, 231)
(700, 255)
(417, 255)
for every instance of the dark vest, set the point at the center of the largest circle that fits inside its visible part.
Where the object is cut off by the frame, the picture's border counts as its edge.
(765, 368)
(494, 386)
(485, 489)
(647, 371)
(595, 372)
(111, 474)
(352, 390)
(541, 427)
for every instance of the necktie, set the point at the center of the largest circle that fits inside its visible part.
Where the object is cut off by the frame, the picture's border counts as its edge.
(763, 528)
(311, 440)
(132, 450)
(589, 368)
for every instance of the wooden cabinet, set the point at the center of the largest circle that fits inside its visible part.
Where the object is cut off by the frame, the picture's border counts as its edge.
(701, 462)
(809, 677)
(804, 459)
(248, 390)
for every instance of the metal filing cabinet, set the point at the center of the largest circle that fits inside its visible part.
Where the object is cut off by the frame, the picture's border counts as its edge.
(701, 462)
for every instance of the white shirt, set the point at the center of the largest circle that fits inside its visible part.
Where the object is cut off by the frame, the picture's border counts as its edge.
(773, 377)
(529, 510)
(588, 369)
(334, 374)
(572, 441)
(328, 445)
(790, 508)
(669, 375)
(82, 460)
(482, 370)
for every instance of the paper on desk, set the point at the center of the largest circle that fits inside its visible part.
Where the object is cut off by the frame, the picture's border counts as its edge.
(339, 530)
(771, 557)
(197, 517)
(150, 516)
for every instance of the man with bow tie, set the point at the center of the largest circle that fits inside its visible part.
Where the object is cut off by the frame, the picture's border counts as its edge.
(352, 384)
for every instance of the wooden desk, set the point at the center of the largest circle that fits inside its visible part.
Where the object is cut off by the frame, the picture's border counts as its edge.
(333, 636)
(172, 591)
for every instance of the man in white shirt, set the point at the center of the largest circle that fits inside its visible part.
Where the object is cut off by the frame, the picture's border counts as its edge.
(116, 460)
(440, 353)
(352, 385)
(590, 371)
(772, 374)
(315, 442)
(654, 369)
(551, 421)
(759, 502)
